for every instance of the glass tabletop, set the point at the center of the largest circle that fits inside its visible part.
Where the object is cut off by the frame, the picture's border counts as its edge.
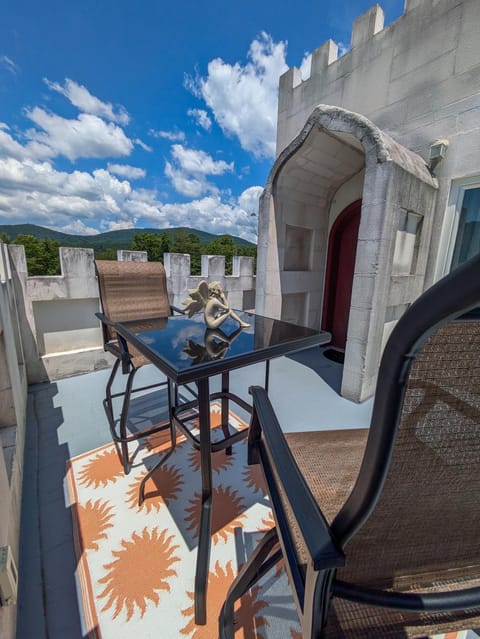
(185, 347)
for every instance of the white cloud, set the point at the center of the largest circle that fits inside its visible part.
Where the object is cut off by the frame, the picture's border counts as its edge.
(119, 226)
(127, 171)
(77, 227)
(189, 169)
(185, 184)
(199, 162)
(173, 136)
(9, 64)
(243, 99)
(201, 117)
(73, 202)
(144, 146)
(87, 136)
(249, 200)
(10, 147)
(81, 97)
(38, 192)
(212, 214)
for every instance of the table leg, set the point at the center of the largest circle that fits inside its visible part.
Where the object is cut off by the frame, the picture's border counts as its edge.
(203, 556)
(225, 407)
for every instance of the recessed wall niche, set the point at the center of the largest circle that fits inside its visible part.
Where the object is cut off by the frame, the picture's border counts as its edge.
(294, 308)
(298, 248)
(407, 243)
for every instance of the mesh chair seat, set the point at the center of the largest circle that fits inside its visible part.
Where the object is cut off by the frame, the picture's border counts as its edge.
(329, 461)
(351, 620)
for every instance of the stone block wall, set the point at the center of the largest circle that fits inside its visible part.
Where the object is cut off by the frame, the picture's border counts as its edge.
(60, 333)
(417, 79)
(13, 399)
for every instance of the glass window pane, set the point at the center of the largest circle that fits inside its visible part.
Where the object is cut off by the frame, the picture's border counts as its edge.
(467, 243)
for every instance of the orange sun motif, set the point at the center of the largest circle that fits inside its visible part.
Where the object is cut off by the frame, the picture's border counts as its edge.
(100, 470)
(247, 610)
(220, 460)
(162, 486)
(227, 513)
(140, 568)
(267, 523)
(94, 519)
(253, 478)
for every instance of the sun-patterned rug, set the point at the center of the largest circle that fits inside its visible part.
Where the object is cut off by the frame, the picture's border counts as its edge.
(136, 565)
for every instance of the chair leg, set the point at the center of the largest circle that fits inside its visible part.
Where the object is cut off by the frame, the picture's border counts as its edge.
(124, 419)
(108, 392)
(249, 574)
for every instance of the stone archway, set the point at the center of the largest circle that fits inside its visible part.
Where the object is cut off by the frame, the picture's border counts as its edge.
(333, 149)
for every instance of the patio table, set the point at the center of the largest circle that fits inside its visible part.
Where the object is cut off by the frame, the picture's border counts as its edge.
(186, 351)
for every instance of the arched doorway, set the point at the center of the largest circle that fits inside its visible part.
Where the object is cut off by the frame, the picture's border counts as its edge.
(342, 250)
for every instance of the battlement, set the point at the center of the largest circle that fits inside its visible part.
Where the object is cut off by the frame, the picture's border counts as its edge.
(389, 71)
(364, 28)
(61, 335)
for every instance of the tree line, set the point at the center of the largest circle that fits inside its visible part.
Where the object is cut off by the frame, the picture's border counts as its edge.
(43, 258)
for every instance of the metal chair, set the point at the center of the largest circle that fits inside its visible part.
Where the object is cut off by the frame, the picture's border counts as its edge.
(380, 530)
(130, 291)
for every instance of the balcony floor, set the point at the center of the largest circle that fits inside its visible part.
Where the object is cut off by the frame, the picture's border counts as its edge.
(66, 418)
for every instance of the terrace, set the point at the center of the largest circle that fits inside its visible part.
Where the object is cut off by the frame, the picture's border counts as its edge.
(60, 417)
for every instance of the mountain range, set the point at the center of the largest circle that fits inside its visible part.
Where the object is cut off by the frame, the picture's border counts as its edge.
(121, 239)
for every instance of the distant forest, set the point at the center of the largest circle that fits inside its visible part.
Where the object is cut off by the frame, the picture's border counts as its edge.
(42, 244)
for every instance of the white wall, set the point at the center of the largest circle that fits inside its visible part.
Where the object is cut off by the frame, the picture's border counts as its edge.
(60, 333)
(418, 79)
(13, 393)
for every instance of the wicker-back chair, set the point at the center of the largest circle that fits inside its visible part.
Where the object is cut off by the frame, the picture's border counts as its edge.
(380, 530)
(130, 291)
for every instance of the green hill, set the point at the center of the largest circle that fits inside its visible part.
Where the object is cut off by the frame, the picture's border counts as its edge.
(111, 240)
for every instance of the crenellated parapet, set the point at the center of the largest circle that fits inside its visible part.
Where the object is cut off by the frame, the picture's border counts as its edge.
(405, 76)
(61, 335)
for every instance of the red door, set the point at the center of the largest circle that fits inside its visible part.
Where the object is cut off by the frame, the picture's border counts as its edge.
(342, 249)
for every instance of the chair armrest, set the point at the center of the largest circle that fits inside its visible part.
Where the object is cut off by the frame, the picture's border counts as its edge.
(280, 468)
(104, 319)
(175, 309)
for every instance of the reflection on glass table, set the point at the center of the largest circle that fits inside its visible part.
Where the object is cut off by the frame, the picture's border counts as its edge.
(216, 345)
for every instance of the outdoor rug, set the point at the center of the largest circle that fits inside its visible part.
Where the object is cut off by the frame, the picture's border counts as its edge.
(136, 565)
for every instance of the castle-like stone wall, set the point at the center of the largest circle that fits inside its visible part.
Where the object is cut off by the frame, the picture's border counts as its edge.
(60, 333)
(408, 85)
(13, 400)
(417, 79)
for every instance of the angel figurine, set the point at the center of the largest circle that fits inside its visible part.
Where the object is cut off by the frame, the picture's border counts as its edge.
(212, 300)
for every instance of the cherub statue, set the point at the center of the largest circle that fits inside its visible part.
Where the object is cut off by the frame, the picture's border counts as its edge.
(212, 300)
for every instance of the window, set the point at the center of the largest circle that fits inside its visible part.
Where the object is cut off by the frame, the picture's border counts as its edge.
(467, 243)
(461, 230)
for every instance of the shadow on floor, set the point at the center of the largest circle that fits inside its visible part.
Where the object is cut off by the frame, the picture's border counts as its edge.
(329, 370)
(47, 602)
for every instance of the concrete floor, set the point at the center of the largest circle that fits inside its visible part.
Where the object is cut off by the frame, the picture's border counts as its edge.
(66, 418)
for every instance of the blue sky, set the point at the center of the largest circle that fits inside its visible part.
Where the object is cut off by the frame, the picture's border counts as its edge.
(149, 114)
